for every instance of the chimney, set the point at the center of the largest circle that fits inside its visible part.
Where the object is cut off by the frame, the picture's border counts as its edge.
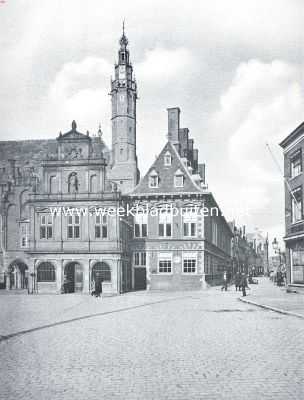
(183, 135)
(195, 161)
(190, 151)
(202, 171)
(173, 126)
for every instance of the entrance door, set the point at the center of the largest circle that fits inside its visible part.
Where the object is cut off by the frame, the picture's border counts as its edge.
(18, 275)
(73, 278)
(140, 278)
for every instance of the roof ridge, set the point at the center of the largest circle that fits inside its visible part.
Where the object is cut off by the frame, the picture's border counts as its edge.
(185, 168)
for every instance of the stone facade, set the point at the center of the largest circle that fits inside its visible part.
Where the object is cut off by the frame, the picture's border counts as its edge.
(56, 239)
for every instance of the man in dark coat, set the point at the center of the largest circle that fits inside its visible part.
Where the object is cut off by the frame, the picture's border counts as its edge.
(237, 281)
(244, 284)
(98, 287)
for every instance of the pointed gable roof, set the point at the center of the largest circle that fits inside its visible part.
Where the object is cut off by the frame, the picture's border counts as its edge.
(73, 134)
(166, 174)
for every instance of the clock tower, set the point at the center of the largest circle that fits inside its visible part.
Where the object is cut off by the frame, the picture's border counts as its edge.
(124, 171)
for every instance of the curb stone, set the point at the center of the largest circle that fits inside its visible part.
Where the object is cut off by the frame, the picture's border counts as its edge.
(278, 310)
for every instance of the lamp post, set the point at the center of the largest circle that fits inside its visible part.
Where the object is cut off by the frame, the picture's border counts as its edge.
(277, 250)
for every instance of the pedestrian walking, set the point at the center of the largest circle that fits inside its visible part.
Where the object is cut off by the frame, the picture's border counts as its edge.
(237, 281)
(98, 288)
(244, 284)
(225, 282)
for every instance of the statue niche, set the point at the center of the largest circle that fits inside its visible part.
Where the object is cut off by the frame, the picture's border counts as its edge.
(73, 183)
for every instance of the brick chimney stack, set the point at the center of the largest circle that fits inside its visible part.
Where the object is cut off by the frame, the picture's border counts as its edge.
(173, 126)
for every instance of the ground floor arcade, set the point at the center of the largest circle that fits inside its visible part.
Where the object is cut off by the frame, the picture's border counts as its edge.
(70, 274)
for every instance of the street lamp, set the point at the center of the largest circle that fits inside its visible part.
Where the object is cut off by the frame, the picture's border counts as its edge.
(277, 250)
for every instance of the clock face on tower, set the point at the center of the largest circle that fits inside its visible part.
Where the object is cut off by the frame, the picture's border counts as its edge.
(122, 72)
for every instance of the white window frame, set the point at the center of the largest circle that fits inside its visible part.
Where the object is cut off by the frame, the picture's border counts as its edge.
(294, 207)
(72, 223)
(140, 219)
(142, 259)
(188, 219)
(167, 159)
(189, 256)
(165, 257)
(101, 222)
(165, 218)
(296, 164)
(153, 180)
(177, 183)
(292, 267)
(46, 223)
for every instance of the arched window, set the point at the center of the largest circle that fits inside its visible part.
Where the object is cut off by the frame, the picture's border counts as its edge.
(46, 272)
(73, 184)
(93, 184)
(53, 184)
(101, 271)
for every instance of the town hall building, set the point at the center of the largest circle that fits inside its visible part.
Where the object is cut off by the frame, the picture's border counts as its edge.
(64, 203)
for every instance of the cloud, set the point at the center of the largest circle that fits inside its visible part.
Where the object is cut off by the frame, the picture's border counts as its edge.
(162, 66)
(79, 91)
(263, 104)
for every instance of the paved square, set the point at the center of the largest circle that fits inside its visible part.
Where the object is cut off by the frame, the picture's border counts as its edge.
(191, 345)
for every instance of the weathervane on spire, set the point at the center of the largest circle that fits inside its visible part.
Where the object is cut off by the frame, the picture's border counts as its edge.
(123, 40)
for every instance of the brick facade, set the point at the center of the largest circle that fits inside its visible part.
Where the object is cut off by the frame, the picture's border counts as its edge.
(293, 147)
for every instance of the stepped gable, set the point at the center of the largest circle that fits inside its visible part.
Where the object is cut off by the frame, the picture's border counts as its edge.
(166, 174)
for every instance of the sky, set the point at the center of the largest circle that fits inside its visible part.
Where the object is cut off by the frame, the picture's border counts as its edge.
(235, 69)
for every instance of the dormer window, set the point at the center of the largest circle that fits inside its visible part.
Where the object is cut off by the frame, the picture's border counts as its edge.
(179, 178)
(153, 179)
(168, 159)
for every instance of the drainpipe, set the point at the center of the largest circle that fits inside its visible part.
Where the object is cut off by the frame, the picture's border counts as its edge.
(2, 245)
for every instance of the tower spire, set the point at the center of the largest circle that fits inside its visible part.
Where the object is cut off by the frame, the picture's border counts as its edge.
(123, 40)
(124, 95)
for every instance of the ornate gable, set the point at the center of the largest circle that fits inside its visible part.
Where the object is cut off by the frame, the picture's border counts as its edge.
(73, 134)
(161, 176)
(74, 145)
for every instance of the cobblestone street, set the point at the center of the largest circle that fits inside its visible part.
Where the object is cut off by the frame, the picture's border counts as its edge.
(191, 345)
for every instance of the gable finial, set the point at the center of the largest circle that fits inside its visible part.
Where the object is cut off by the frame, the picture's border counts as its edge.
(74, 125)
(99, 133)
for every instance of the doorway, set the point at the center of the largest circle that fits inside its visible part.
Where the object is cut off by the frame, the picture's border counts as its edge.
(73, 278)
(18, 275)
(140, 278)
